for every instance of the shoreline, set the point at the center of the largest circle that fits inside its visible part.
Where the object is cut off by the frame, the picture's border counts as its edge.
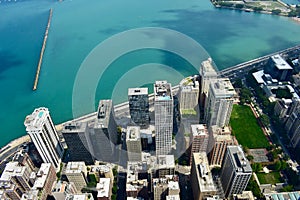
(25, 138)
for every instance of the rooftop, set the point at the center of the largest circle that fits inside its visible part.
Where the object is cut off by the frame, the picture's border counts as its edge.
(173, 197)
(165, 161)
(103, 187)
(137, 91)
(222, 87)
(280, 63)
(203, 172)
(74, 127)
(283, 196)
(133, 133)
(36, 120)
(190, 83)
(75, 167)
(207, 69)
(12, 169)
(162, 91)
(239, 159)
(42, 176)
(199, 130)
(84, 196)
(103, 113)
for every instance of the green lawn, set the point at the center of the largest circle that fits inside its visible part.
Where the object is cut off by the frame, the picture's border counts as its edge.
(246, 128)
(270, 178)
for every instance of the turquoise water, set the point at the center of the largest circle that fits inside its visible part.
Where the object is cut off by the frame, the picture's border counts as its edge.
(230, 37)
(292, 2)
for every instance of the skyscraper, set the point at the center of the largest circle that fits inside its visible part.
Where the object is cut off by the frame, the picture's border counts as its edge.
(42, 132)
(201, 179)
(207, 73)
(292, 124)
(75, 135)
(218, 105)
(199, 138)
(103, 137)
(133, 143)
(236, 171)
(163, 106)
(139, 106)
(189, 94)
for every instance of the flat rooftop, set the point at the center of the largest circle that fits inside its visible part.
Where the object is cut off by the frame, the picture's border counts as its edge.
(162, 91)
(133, 133)
(207, 69)
(137, 91)
(240, 162)
(189, 84)
(280, 63)
(103, 113)
(103, 188)
(74, 127)
(204, 176)
(165, 161)
(42, 176)
(36, 120)
(222, 87)
(75, 167)
(199, 130)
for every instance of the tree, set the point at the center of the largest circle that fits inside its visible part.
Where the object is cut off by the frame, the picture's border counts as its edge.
(239, 6)
(287, 188)
(265, 120)
(256, 167)
(277, 165)
(276, 11)
(250, 157)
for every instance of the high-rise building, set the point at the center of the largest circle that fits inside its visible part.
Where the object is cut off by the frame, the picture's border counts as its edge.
(133, 143)
(76, 172)
(207, 73)
(15, 180)
(75, 135)
(236, 171)
(139, 106)
(43, 134)
(103, 137)
(188, 94)
(221, 139)
(163, 108)
(199, 139)
(219, 102)
(201, 179)
(292, 124)
(45, 178)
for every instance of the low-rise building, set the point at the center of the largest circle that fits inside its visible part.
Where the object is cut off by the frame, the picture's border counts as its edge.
(60, 189)
(104, 189)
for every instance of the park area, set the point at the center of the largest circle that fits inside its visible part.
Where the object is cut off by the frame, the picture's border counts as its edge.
(269, 178)
(246, 128)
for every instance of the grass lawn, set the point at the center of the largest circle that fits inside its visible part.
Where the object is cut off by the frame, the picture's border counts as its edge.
(246, 128)
(270, 178)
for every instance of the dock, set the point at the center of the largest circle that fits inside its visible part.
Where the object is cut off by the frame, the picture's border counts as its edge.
(36, 80)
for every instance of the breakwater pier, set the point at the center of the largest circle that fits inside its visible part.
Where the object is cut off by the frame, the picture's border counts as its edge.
(36, 80)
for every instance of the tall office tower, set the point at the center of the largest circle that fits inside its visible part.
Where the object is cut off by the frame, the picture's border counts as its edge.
(201, 179)
(75, 135)
(104, 135)
(221, 139)
(43, 134)
(236, 171)
(163, 108)
(207, 73)
(139, 106)
(76, 172)
(188, 94)
(15, 180)
(219, 103)
(133, 143)
(199, 138)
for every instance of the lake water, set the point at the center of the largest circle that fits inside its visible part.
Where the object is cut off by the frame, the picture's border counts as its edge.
(78, 26)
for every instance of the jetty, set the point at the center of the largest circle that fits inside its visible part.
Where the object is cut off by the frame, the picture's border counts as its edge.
(36, 80)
